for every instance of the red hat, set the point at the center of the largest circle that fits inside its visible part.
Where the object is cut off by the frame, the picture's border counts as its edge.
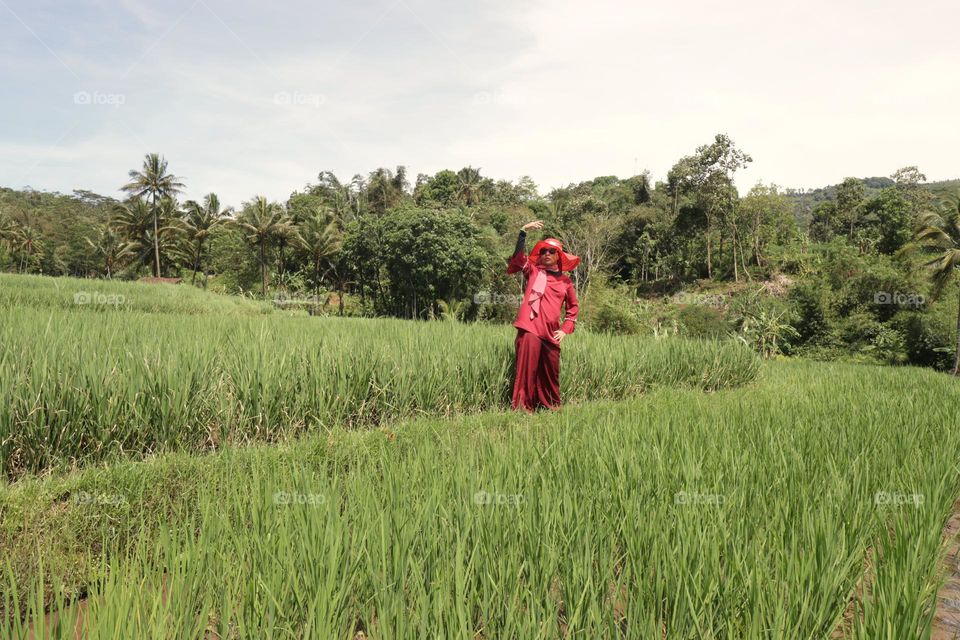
(568, 261)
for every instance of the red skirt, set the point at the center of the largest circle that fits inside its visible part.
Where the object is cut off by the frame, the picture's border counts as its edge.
(537, 381)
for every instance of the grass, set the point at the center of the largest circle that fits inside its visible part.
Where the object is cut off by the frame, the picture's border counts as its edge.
(119, 297)
(748, 513)
(80, 386)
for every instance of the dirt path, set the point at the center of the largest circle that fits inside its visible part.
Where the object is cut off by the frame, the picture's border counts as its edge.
(946, 620)
(862, 591)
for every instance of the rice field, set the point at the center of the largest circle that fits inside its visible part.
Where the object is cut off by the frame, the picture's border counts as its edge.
(80, 386)
(115, 296)
(174, 475)
(757, 512)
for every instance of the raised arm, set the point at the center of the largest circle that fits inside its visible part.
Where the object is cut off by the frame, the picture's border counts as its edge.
(518, 262)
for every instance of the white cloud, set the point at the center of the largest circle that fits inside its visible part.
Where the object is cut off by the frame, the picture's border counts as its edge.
(562, 91)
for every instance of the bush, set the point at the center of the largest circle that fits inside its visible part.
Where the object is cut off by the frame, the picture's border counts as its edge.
(809, 300)
(610, 310)
(929, 338)
(702, 321)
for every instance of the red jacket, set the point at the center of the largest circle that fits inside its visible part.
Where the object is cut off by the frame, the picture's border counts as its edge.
(559, 290)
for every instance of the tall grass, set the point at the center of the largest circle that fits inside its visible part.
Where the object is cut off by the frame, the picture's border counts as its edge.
(115, 296)
(751, 513)
(79, 386)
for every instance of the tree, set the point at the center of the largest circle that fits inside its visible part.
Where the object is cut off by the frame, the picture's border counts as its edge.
(430, 255)
(28, 241)
(134, 219)
(441, 189)
(7, 230)
(592, 240)
(525, 190)
(680, 179)
(640, 185)
(329, 192)
(643, 233)
(110, 248)
(891, 212)
(153, 180)
(939, 234)
(850, 202)
(260, 221)
(385, 189)
(825, 222)
(769, 219)
(199, 220)
(319, 237)
(909, 182)
(284, 236)
(586, 228)
(362, 256)
(469, 186)
(708, 174)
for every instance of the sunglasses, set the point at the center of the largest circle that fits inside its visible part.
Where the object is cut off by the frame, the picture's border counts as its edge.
(545, 250)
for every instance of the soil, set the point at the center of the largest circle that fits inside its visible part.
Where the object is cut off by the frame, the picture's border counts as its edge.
(946, 620)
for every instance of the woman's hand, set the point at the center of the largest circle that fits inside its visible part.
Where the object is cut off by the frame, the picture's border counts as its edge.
(559, 335)
(536, 224)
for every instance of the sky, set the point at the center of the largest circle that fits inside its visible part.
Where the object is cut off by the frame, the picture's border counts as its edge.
(248, 98)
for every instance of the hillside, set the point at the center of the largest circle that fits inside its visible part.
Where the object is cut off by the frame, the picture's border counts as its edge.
(805, 200)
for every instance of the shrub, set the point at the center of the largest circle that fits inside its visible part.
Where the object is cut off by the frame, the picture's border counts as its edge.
(702, 321)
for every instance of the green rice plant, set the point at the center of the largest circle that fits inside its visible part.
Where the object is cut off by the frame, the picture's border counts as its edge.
(116, 296)
(754, 512)
(81, 386)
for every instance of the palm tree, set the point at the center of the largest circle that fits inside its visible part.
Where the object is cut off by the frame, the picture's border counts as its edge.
(7, 230)
(260, 222)
(111, 248)
(153, 180)
(470, 185)
(939, 233)
(357, 193)
(134, 220)
(321, 239)
(284, 236)
(197, 224)
(27, 240)
(137, 220)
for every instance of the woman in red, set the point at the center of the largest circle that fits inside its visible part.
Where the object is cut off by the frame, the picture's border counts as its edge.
(539, 332)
